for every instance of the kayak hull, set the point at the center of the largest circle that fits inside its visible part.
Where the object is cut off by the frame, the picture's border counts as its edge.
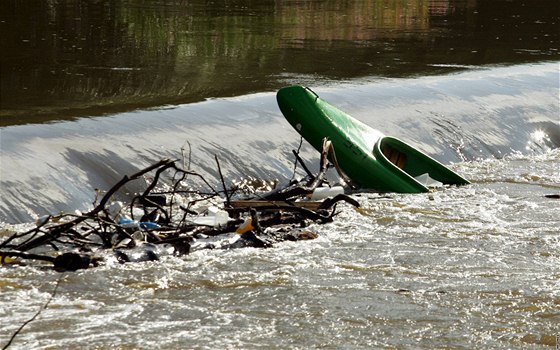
(368, 157)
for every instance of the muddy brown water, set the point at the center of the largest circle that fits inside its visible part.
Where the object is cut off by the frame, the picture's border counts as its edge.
(94, 90)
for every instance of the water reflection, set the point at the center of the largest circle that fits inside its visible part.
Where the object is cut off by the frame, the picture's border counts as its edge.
(71, 58)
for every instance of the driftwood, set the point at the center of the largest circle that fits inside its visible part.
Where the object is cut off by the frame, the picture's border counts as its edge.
(172, 218)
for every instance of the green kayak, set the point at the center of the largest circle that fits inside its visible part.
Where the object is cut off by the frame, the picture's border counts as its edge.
(369, 158)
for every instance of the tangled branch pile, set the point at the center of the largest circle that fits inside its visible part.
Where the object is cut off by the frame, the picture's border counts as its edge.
(169, 217)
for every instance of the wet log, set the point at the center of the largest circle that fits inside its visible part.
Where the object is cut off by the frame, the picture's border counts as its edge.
(245, 205)
(276, 206)
(17, 254)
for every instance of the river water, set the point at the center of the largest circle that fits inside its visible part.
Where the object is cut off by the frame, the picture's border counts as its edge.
(93, 91)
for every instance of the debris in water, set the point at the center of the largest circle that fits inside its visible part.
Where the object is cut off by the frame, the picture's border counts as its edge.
(170, 218)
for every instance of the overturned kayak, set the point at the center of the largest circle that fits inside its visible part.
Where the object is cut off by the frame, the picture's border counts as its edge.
(368, 157)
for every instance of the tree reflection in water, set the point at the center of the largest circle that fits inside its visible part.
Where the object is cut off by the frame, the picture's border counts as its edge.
(66, 59)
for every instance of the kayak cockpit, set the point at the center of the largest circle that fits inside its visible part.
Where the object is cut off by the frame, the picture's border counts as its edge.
(395, 156)
(404, 158)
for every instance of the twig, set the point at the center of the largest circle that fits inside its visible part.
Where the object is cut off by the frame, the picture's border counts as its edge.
(34, 230)
(36, 314)
(300, 161)
(343, 176)
(223, 182)
(186, 166)
(297, 157)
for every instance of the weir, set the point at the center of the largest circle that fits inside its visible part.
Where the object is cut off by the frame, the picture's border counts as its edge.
(482, 113)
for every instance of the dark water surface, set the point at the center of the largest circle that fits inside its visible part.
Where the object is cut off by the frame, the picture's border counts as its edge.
(79, 58)
(94, 90)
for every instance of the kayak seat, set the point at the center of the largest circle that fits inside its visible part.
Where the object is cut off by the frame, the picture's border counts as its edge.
(395, 156)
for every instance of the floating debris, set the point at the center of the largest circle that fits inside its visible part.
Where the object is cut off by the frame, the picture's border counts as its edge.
(170, 218)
